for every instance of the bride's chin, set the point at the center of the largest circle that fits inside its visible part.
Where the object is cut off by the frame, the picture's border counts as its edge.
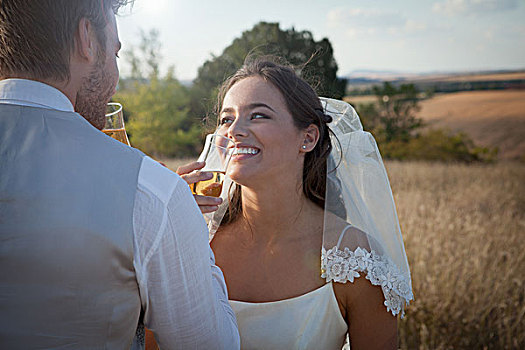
(238, 180)
(241, 179)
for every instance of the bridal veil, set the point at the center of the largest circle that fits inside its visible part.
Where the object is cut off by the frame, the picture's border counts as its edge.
(361, 235)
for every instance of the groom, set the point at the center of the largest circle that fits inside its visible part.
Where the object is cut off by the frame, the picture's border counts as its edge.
(93, 234)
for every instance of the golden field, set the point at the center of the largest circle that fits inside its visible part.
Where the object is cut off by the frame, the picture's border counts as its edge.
(464, 233)
(491, 118)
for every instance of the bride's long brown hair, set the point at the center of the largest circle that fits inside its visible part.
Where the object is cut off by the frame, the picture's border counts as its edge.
(306, 109)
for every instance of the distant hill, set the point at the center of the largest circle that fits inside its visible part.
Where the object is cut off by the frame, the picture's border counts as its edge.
(493, 118)
(361, 81)
(380, 75)
(391, 75)
(490, 118)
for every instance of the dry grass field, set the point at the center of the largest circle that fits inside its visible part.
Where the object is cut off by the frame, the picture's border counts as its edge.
(464, 233)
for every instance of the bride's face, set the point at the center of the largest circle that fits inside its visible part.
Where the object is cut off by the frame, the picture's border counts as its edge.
(255, 116)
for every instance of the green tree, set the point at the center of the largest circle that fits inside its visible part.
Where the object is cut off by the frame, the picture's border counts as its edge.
(157, 107)
(146, 60)
(296, 47)
(393, 117)
(438, 145)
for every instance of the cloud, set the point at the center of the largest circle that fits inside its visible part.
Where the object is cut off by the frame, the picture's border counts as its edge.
(462, 7)
(414, 26)
(480, 47)
(357, 17)
(519, 29)
(369, 22)
(489, 33)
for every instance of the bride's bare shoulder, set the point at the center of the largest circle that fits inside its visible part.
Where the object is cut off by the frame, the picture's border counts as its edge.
(341, 233)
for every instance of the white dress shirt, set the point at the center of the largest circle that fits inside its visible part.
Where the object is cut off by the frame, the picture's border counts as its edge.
(182, 291)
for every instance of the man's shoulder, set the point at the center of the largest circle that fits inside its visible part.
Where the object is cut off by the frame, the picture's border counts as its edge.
(7, 107)
(158, 179)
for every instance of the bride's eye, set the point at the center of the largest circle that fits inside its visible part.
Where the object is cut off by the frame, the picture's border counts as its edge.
(259, 116)
(225, 120)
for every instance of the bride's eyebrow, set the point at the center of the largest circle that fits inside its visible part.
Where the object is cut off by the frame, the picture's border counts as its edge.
(250, 106)
(259, 104)
(227, 110)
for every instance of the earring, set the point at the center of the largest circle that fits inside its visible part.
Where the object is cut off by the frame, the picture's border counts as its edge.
(304, 147)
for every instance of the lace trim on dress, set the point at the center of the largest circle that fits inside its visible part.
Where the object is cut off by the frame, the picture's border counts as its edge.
(345, 265)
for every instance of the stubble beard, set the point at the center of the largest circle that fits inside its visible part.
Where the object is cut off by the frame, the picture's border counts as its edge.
(94, 94)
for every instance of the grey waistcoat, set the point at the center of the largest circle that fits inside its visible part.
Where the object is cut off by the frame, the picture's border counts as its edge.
(66, 233)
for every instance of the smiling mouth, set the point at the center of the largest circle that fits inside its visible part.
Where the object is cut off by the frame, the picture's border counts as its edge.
(245, 151)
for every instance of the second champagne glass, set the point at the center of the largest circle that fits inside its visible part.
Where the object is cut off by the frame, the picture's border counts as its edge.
(217, 152)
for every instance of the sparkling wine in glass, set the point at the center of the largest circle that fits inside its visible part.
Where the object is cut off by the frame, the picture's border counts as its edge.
(217, 153)
(115, 123)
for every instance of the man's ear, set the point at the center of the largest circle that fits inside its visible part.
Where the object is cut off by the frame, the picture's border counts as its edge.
(86, 41)
(311, 136)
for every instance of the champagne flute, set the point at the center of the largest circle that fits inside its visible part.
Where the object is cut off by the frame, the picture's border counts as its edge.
(217, 153)
(115, 123)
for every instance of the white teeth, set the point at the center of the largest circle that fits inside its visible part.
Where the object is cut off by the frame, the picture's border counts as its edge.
(244, 150)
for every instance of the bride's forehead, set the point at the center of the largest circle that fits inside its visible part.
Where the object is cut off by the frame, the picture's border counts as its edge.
(252, 89)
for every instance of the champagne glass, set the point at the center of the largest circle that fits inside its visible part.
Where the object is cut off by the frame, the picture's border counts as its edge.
(217, 153)
(115, 123)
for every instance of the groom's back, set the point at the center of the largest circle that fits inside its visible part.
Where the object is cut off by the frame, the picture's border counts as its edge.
(66, 233)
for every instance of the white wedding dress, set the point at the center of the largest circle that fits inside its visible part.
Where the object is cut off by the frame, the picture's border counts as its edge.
(309, 321)
(313, 320)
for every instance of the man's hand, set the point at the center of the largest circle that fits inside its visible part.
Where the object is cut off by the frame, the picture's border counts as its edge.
(189, 174)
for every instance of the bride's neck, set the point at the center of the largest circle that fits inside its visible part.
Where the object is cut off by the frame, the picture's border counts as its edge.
(274, 213)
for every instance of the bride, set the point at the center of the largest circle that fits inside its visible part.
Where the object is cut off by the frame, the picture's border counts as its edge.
(307, 236)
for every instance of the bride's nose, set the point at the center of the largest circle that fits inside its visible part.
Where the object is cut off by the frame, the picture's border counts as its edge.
(238, 129)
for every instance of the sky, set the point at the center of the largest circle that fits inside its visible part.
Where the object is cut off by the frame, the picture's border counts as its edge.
(412, 36)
